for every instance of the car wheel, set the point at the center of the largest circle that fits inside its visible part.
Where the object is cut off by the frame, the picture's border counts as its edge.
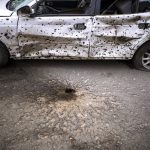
(141, 60)
(4, 55)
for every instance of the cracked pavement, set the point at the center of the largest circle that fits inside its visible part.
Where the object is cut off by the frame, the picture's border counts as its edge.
(74, 105)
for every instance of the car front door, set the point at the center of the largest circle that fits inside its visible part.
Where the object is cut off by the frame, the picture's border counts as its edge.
(57, 32)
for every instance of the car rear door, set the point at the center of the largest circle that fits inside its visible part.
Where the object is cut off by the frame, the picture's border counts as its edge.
(63, 35)
(115, 35)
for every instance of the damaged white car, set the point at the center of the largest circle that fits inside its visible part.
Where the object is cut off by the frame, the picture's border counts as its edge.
(75, 29)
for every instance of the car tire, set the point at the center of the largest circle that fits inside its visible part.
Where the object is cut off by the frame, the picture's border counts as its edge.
(4, 55)
(141, 59)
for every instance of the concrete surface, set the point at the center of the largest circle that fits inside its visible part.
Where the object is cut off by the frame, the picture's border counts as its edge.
(74, 105)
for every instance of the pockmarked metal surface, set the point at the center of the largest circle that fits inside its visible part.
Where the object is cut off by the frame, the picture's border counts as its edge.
(73, 37)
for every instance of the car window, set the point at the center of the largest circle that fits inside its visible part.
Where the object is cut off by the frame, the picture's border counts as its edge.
(62, 7)
(144, 5)
(124, 6)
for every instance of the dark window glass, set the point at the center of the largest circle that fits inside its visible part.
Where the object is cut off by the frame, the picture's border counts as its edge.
(62, 7)
(124, 6)
(144, 5)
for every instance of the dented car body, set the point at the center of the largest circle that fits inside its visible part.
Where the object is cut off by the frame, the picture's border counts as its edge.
(74, 29)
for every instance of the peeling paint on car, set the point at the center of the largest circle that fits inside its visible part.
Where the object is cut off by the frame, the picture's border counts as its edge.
(52, 37)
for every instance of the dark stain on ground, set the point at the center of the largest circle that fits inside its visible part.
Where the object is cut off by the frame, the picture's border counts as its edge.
(70, 91)
(30, 89)
(15, 81)
(65, 94)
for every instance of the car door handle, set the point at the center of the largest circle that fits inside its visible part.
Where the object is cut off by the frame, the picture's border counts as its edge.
(144, 25)
(80, 26)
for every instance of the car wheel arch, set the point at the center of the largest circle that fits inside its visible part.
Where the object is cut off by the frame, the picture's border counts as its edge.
(140, 45)
(141, 58)
(4, 45)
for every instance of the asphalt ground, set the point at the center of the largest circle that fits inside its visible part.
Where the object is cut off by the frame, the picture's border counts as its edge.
(74, 105)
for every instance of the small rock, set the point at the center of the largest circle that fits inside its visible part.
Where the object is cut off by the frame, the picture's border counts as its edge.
(41, 100)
